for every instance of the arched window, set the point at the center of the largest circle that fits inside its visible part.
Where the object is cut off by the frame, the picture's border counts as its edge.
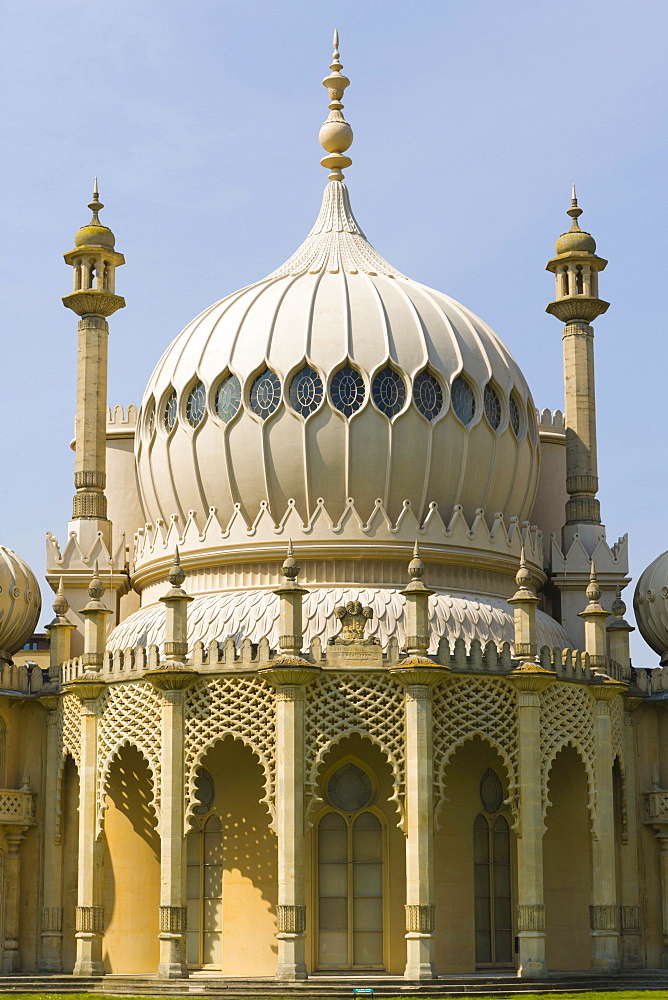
(205, 879)
(515, 421)
(306, 391)
(463, 400)
(388, 391)
(492, 877)
(169, 411)
(265, 394)
(228, 398)
(347, 390)
(492, 406)
(428, 395)
(579, 280)
(350, 874)
(196, 405)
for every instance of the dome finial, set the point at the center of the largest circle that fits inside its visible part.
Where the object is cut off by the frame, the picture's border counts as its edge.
(574, 211)
(95, 205)
(336, 134)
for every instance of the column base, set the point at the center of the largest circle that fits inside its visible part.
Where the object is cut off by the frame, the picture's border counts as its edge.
(532, 955)
(631, 956)
(172, 970)
(171, 964)
(605, 951)
(88, 967)
(50, 965)
(11, 960)
(291, 973)
(664, 958)
(290, 966)
(419, 956)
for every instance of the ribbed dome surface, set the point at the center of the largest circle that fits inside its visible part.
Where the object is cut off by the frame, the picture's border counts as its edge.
(336, 304)
(650, 604)
(20, 601)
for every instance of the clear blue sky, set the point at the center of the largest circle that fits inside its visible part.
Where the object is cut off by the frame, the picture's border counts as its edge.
(471, 119)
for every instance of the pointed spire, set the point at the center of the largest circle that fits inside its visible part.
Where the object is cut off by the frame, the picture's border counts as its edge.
(416, 567)
(523, 577)
(574, 197)
(593, 589)
(336, 134)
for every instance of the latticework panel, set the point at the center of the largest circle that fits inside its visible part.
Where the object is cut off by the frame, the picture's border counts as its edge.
(476, 706)
(241, 707)
(617, 738)
(69, 728)
(341, 704)
(567, 719)
(129, 715)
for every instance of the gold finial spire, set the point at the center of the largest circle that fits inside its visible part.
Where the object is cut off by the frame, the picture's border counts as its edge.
(336, 134)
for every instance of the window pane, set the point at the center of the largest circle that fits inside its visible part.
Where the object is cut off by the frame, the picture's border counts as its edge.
(213, 914)
(333, 948)
(192, 882)
(193, 847)
(368, 913)
(367, 879)
(367, 948)
(367, 845)
(193, 915)
(212, 952)
(481, 880)
(502, 880)
(483, 947)
(192, 948)
(333, 913)
(213, 848)
(481, 845)
(333, 845)
(503, 941)
(333, 880)
(213, 880)
(502, 915)
(482, 914)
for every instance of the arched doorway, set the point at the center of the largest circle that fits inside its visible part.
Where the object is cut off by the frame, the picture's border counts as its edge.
(492, 878)
(231, 875)
(350, 860)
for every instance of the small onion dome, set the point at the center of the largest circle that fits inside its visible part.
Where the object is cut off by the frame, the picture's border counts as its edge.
(20, 602)
(95, 234)
(576, 240)
(650, 603)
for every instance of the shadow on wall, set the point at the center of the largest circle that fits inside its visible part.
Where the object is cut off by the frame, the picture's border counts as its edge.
(130, 848)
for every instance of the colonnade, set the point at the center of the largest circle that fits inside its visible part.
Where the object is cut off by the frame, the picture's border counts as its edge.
(290, 675)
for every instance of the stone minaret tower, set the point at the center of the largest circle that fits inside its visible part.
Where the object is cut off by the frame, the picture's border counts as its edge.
(94, 261)
(577, 305)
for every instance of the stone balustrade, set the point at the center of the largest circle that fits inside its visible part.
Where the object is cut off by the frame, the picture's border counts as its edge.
(20, 678)
(656, 805)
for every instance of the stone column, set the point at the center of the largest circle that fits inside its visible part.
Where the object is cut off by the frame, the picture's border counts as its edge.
(530, 886)
(90, 910)
(290, 682)
(630, 904)
(419, 676)
(530, 679)
(11, 958)
(662, 836)
(603, 911)
(52, 910)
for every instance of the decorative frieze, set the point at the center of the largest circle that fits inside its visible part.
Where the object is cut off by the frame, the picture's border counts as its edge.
(173, 919)
(291, 919)
(52, 919)
(420, 917)
(531, 917)
(630, 918)
(90, 919)
(603, 917)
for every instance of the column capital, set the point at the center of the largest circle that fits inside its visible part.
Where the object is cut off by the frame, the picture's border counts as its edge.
(87, 688)
(286, 670)
(603, 690)
(419, 671)
(531, 677)
(172, 679)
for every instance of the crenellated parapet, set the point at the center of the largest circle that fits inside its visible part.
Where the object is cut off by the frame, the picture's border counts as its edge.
(121, 421)
(551, 426)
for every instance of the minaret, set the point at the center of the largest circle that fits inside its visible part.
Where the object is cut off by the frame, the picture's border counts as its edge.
(94, 261)
(576, 267)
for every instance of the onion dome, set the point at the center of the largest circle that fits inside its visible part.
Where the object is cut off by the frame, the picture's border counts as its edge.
(336, 377)
(650, 603)
(576, 240)
(95, 234)
(20, 603)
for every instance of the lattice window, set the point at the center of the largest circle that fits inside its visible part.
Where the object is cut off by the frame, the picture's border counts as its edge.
(567, 719)
(242, 707)
(228, 398)
(428, 395)
(475, 706)
(339, 705)
(129, 715)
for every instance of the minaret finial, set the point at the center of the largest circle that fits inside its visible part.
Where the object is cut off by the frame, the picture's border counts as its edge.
(95, 205)
(336, 134)
(574, 211)
(574, 197)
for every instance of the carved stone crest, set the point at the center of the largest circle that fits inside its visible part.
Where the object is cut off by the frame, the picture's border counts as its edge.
(353, 618)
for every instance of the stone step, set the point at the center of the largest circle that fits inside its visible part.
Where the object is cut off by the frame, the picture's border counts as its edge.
(319, 987)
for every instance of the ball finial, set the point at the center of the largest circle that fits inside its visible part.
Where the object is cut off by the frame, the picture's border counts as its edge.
(523, 577)
(96, 587)
(618, 605)
(176, 573)
(593, 589)
(336, 134)
(61, 605)
(416, 566)
(290, 567)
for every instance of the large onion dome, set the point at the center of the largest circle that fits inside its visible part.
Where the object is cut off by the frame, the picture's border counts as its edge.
(650, 603)
(336, 377)
(20, 603)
